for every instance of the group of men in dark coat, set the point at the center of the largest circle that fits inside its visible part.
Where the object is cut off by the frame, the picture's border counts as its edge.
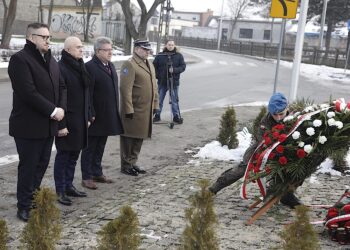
(78, 104)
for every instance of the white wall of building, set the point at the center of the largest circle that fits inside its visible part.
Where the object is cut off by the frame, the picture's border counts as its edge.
(69, 21)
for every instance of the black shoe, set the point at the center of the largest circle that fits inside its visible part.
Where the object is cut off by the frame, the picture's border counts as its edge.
(290, 200)
(72, 191)
(156, 118)
(139, 170)
(23, 214)
(178, 120)
(63, 199)
(129, 171)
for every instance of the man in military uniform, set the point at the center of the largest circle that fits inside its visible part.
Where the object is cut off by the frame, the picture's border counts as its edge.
(278, 109)
(138, 101)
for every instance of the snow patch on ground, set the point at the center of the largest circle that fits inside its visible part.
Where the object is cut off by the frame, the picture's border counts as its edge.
(321, 72)
(214, 150)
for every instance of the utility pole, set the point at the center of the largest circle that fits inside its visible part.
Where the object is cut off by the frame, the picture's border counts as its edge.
(220, 24)
(323, 20)
(298, 50)
(164, 15)
(283, 27)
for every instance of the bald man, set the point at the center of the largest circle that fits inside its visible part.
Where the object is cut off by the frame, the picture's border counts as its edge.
(72, 135)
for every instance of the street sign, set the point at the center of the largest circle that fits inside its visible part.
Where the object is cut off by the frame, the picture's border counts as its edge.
(284, 8)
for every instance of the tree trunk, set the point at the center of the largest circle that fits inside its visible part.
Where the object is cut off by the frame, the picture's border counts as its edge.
(328, 40)
(41, 12)
(4, 17)
(50, 13)
(127, 43)
(7, 28)
(233, 24)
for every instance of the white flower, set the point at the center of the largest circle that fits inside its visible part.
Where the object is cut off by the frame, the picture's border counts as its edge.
(307, 148)
(301, 144)
(296, 114)
(308, 109)
(331, 122)
(288, 118)
(342, 106)
(317, 123)
(323, 106)
(296, 135)
(307, 118)
(310, 131)
(322, 139)
(330, 114)
(339, 124)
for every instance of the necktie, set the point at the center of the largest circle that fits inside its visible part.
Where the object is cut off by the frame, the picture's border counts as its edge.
(108, 69)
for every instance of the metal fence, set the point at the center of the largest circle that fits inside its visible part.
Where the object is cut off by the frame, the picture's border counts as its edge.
(312, 55)
(115, 30)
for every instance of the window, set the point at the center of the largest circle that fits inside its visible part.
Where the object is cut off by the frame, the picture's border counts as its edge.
(194, 18)
(224, 32)
(267, 34)
(246, 33)
(154, 21)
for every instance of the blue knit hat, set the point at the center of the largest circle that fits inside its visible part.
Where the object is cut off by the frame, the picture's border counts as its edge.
(278, 103)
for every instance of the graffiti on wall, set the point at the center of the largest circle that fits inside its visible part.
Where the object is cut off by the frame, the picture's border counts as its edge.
(73, 25)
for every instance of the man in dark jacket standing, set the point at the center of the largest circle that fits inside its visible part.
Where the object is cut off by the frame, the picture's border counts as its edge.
(105, 112)
(169, 65)
(72, 134)
(138, 101)
(38, 99)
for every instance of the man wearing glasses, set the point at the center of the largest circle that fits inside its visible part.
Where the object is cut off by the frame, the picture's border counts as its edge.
(105, 112)
(138, 101)
(38, 102)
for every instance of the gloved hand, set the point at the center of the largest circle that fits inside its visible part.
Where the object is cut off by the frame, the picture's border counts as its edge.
(155, 111)
(129, 116)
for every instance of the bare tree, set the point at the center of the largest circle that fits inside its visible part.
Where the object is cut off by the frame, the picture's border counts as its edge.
(236, 8)
(87, 7)
(50, 13)
(9, 18)
(140, 31)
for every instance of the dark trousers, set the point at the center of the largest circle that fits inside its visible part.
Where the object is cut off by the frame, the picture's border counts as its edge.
(91, 157)
(34, 156)
(64, 169)
(129, 150)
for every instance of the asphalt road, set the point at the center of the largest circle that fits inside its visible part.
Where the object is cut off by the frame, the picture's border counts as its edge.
(216, 79)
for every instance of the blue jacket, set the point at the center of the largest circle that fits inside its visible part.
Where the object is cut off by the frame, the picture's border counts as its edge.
(162, 63)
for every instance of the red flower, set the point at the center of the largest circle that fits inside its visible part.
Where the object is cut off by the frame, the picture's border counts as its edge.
(256, 170)
(275, 135)
(301, 153)
(279, 126)
(267, 169)
(271, 156)
(267, 141)
(346, 209)
(282, 137)
(332, 212)
(283, 160)
(280, 149)
(266, 135)
(256, 156)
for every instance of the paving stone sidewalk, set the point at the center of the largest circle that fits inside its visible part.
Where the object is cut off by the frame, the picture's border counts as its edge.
(161, 196)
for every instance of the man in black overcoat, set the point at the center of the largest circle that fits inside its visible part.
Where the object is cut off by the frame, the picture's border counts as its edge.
(105, 112)
(73, 129)
(38, 99)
